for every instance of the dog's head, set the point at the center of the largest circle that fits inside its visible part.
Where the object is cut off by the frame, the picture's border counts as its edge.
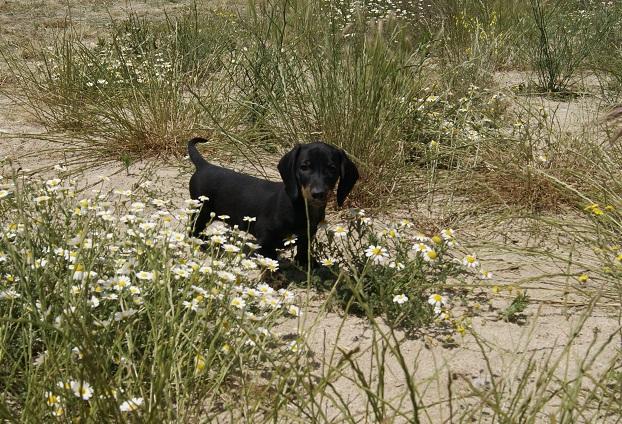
(312, 171)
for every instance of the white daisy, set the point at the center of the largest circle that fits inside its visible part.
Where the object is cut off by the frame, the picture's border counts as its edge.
(377, 254)
(81, 389)
(238, 302)
(340, 231)
(290, 240)
(293, 310)
(470, 261)
(437, 300)
(400, 299)
(144, 275)
(430, 255)
(131, 405)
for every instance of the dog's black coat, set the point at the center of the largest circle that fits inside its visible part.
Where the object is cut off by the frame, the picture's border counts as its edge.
(309, 172)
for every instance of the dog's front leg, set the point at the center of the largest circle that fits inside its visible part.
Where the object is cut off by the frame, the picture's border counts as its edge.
(268, 252)
(304, 253)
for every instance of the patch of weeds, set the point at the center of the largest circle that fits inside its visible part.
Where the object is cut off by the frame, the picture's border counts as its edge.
(411, 279)
(611, 391)
(514, 312)
(447, 132)
(517, 165)
(471, 45)
(556, 383)
(305, 74)
(597, 199)
(516, 188)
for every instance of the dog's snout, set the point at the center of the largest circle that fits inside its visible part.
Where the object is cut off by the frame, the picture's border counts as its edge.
(318, 194)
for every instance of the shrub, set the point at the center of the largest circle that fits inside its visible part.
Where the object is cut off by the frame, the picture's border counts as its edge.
(412, 279)
(563, 39)
(108, 306)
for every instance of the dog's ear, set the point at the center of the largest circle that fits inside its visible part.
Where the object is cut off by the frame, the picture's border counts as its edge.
(347, 179)
(287, 169)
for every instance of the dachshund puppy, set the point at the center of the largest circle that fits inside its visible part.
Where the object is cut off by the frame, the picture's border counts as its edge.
(292, 207)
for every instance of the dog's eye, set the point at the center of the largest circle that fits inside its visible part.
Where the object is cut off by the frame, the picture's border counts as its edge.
(304, 167)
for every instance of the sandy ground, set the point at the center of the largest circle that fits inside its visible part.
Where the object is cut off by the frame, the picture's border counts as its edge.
(504, 348)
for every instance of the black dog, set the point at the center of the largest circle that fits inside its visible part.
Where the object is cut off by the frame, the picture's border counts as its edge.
(309, 173)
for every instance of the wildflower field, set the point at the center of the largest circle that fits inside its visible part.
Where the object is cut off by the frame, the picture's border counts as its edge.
(474, 274)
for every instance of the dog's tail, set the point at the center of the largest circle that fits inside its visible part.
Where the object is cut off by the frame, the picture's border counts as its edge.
(194, 154)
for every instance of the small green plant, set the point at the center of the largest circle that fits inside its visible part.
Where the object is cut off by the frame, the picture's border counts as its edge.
(513, 313)
(410, 278)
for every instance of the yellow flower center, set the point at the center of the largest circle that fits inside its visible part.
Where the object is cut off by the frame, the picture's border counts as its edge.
(200, 362)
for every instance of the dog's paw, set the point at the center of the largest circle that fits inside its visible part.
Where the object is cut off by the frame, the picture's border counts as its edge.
(277, 280)
(303, 262)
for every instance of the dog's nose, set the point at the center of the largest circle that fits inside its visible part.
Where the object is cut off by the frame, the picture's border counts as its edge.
(318, 194)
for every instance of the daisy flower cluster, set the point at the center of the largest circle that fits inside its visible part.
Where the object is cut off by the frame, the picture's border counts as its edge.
(120, 62)
(103, 284)
(139, 54)
(444, 121)
(375, 10)
(405, 274)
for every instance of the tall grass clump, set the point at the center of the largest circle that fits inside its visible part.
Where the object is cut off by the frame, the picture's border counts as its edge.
(474, 39)
(353, 79)
(606, 57)
(308, 74)
(127, 92)
(564, 36)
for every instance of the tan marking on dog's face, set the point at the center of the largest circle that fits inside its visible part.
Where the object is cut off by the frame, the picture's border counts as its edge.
(306, 194)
